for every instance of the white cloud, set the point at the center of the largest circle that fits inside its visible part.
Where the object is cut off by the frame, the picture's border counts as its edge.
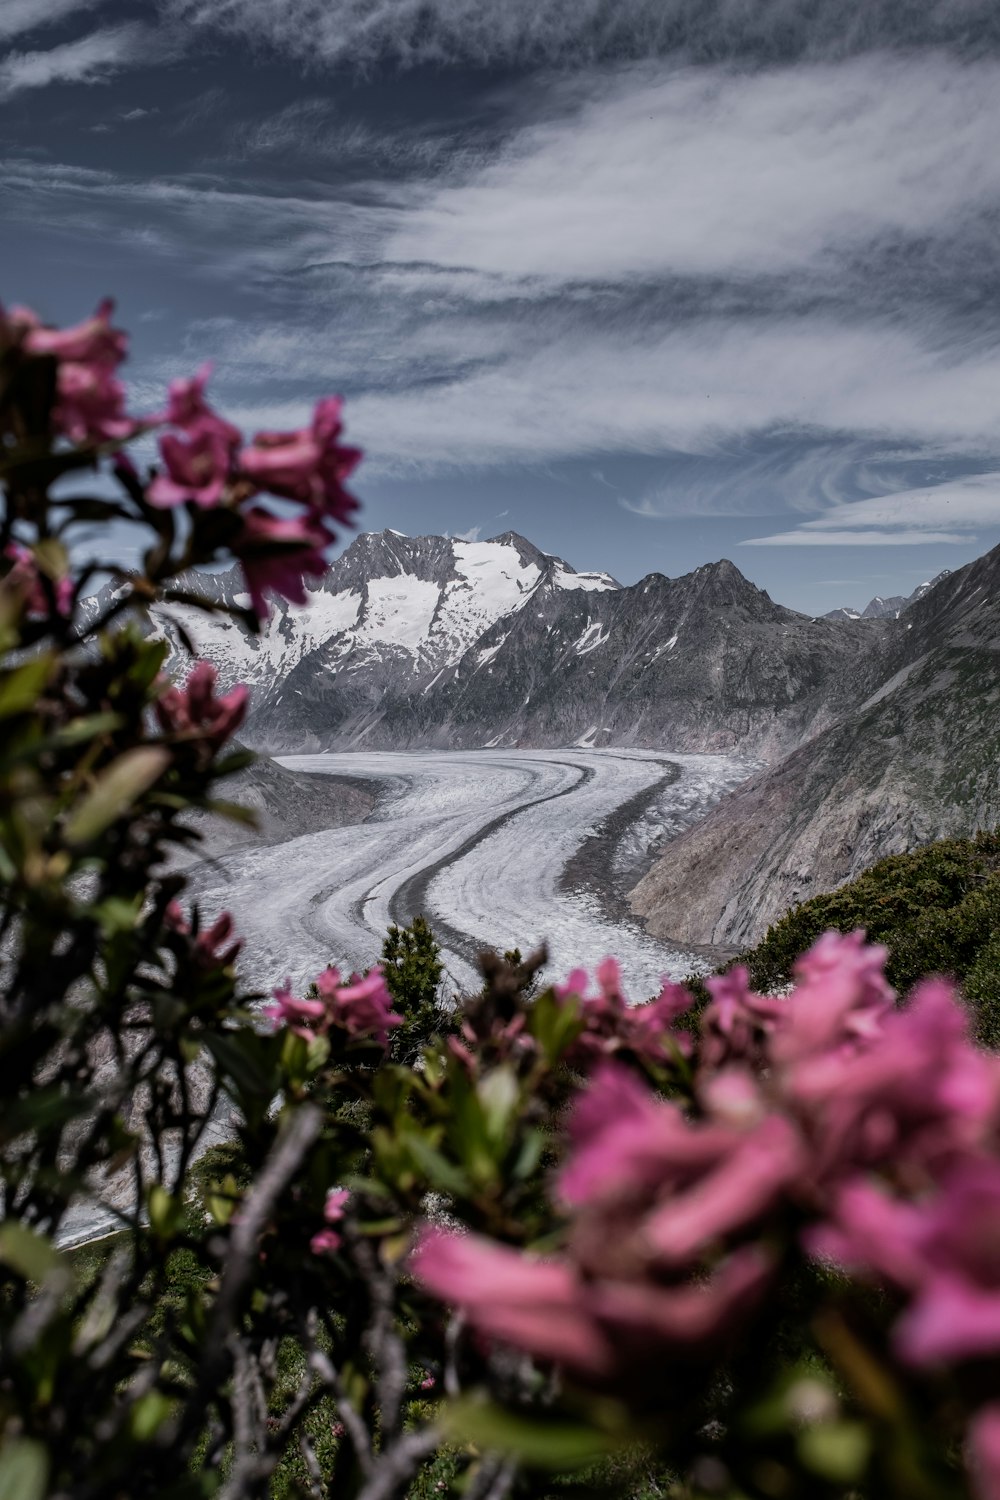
(90, 59)
(945, 512)
(700, 172)
(18, 16)
(688, 390)
(856, 539)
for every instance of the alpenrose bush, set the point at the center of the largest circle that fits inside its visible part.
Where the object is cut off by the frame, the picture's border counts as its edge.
(749, 1252)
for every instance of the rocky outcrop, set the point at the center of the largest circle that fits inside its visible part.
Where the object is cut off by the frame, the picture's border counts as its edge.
(916, 760)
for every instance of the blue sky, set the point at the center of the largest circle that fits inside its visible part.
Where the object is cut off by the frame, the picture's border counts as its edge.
(650, 281)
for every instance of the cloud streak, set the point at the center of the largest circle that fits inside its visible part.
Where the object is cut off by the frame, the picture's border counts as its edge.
(411, 33)
(19, 16)
(702, 174)
(908, 517)
(90, 59)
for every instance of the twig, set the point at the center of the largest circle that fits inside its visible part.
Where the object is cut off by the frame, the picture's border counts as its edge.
(294, 1140)
(396, 1466)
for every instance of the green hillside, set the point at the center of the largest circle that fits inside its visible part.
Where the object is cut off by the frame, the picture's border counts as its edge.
(937, 910)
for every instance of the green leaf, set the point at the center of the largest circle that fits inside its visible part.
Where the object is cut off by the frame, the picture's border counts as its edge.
(440, 1172)
(115, 791)
(30, 1254)
(24, 1470)
(557, 1446)
(148, 1415)
(19, 689)
(837, 1451)
(166, 1212)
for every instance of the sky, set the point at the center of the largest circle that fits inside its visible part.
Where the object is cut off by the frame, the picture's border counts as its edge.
(652, 282)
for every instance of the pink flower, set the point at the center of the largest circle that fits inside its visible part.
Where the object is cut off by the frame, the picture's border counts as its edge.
(275, 553)
(737, 1022)
(984, 1452)
(195, 712)
(606, 1331)
(301, 1016)
(213, 947)
(626, 1141)
(25, 577)
(841, 997)
(943, 1251)
(308, 465)
(742, 1186)
(363, 1007)
(92, 342)
(919, 1092)
(91, 405)
(210, 948)
(611, 1025)
(536, 1305)
(188, 409)
(198, 467)
(326, 1240)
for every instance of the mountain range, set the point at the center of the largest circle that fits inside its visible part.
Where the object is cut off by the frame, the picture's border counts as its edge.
(885, 609)
(432, 642)
(877, 733)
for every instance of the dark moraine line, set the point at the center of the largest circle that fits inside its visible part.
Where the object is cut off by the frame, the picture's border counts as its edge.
(589, 869)
(410, 898)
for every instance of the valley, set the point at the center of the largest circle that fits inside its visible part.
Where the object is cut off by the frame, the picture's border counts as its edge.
(478, 842)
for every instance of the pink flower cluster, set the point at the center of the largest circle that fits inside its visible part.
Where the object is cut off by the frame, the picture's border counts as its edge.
(205, 463)
(866, 1134)
(362, 1007)
(25, 577)
(196, 712)
(612, 1025)
(212, 947)
(326, 1240)
(90, 399)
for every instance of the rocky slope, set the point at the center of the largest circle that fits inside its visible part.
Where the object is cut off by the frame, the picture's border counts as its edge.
(915, 760)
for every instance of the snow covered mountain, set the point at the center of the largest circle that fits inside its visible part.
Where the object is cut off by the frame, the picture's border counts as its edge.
(430, 642)
(393, 613)
(885, 609)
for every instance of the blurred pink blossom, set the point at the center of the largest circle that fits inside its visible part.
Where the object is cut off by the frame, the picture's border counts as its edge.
(308, 465)
(196, 712)
(363, 1006)
(326, 1240)
(25, 576)
(275, 552)
(198, 467)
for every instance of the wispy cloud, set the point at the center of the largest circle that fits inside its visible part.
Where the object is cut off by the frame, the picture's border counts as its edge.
(20, 16)
(857, 539)
(908, 517)
(519, 32)
(700, 173)
(89, 59)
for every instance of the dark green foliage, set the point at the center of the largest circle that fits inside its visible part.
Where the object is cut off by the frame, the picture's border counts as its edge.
(411, 963)
(937, 910)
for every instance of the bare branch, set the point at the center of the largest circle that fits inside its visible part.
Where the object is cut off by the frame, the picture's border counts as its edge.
(397, 1465)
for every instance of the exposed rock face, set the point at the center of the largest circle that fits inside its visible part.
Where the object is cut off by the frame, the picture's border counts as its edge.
(430, 642)
(916, 760)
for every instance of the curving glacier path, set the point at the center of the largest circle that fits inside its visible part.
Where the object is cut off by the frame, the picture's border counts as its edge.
(480, 842)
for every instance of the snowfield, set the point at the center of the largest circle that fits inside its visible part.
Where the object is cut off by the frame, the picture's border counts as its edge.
(479, 842)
